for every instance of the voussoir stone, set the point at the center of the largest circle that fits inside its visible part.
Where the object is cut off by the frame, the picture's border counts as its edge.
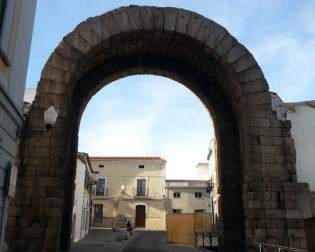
(170, 19)
(147, 16)
(122, 18)
(87, 32)
(194, 25)
(75, 40)
(182, 21)
(135, 17)
(158, 17)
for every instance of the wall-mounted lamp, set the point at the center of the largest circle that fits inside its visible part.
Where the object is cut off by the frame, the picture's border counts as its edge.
(122, 189)
(50, 117)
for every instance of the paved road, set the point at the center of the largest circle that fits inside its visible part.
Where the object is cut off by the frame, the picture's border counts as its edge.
(154, 241)
(141, 241)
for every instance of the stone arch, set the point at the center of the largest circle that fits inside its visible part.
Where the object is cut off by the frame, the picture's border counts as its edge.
(255, 151)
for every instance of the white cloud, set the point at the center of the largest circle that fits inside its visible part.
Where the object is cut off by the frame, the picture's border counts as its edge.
(288, 57)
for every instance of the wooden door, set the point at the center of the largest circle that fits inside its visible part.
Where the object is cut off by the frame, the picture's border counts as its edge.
(140, 216)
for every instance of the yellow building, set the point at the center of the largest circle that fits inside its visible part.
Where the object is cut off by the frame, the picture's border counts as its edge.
(129, 188)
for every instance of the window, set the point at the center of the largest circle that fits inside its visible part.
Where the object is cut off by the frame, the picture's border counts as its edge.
(101, 166)
(141, 187)
(100, 187)
(200, 210)
(177, 210)
(176, 195)
(98, 212)
(141, 166)
(2, 9)
(198, 194)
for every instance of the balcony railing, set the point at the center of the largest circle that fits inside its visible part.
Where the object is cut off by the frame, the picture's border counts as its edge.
(140, 193)
(129, 193)
(100, 194)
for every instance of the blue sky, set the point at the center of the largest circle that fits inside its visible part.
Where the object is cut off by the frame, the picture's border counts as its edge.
(280, 34)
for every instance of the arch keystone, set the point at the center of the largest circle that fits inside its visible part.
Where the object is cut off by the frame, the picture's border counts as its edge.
(122, 18)
(147, 17)
(158, 17)
(135, 17)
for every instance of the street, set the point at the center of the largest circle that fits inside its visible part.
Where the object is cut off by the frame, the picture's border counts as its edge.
(104, 240)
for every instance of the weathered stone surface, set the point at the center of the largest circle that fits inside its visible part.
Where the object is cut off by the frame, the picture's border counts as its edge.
(78, 42)
(147, 17)
(216, 35)
(183, 17)
(225, 45)
(159, 15)
(122, 18)
(87, 32)
(108, 24)
(69, 52)
(170, 19)
(99, 27)
(243, 63)
(204, 31)
(60, 62)
(194, 25)
(251, 74)
(235, 52)
(55, 74)
(135, 18)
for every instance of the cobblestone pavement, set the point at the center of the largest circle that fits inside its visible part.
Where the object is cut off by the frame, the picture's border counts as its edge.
(104, 240)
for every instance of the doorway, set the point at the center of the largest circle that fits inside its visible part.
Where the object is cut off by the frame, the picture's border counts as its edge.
(140, 216)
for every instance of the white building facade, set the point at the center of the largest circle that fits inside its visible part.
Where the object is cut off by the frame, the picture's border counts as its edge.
(16, 28)
(81, 213)
(302, 119)
(214, 185)
(187, 196)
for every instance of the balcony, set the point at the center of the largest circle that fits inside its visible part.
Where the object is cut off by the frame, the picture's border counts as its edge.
(100, 193)
(140, 192)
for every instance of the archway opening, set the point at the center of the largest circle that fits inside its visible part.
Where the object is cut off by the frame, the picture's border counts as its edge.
(144, 134)
(204, 78)
(100, 135)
